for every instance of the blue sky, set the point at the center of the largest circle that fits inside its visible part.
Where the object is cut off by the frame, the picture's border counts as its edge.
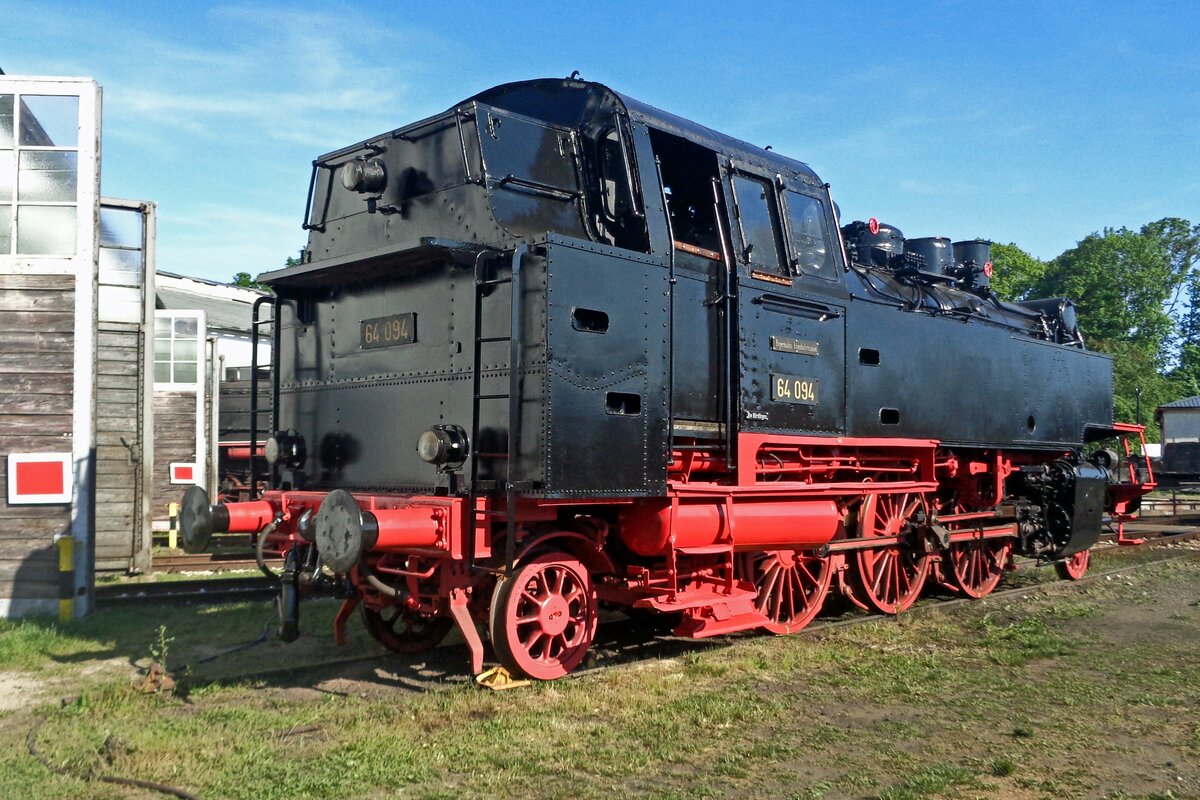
(1029, 122)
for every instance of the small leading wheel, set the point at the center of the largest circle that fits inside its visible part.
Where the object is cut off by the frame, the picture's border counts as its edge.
(791, 584)
(543, 617)
(401, 631)
(977, 565)
(889, 578)
(1072, 568)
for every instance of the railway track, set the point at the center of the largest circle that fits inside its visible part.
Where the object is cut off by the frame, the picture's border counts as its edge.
(204, 562)
(222, 590)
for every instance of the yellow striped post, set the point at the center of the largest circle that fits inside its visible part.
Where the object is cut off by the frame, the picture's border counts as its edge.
(66, 579)
(173, 531)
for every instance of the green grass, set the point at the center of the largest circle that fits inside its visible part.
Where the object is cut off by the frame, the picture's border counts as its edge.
(1003, 694)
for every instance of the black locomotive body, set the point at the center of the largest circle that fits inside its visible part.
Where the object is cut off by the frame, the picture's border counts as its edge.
(554, 348)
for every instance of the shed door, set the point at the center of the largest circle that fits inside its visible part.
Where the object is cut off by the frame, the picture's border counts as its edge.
(124, 437)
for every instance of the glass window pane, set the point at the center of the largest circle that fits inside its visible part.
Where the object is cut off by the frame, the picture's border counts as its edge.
(5, 230)
(47, 176)
(162, 350)
(8, 172)
(46, 230)
(185, 373)
(49, 121)
(756, 209)
(811, 242)
(162, 372)
(162, 327)
(123, 261)
(6, 120)
(185, 350)
(121, 227)
(185, 326)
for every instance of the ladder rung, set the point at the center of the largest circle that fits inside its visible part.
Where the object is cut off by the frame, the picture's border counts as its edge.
(491, 397)
(484, 339)
(494, 282)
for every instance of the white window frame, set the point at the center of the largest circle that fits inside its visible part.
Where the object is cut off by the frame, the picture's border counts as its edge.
(87, 161)
(201, 331)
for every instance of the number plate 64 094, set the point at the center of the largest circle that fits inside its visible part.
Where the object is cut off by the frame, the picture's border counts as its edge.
(388, 331)
(794, 389)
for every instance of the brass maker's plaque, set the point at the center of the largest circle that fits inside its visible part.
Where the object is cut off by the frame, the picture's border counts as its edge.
(388, 331)
(784, 344)
(794, 389)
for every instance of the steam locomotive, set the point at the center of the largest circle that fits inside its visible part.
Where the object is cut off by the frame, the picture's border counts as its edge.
(555, 349)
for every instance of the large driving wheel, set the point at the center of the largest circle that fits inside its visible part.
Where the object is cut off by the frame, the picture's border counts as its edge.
(977, 565)
(543, 617)
(402, 631)
(889, 578)
(791, 584)
(1072, 568)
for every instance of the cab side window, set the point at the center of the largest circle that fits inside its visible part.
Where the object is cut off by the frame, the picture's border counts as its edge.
(758, 220)
(811, 248)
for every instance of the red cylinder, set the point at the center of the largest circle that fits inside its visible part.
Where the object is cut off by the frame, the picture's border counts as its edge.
(405, 528)
(247, 517)
(756, 525)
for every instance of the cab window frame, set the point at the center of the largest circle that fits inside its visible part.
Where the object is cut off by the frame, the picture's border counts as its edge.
(770, 198)
(830, 272)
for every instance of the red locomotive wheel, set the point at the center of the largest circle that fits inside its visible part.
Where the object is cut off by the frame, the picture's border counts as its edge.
(978, 565)
(1073, 567)
(401, 631)
(792, 586)
(543, 618)
(889, 579)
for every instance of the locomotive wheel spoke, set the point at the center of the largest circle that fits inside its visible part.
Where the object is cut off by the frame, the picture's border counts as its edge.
(403, 631)
(1072, 568)
(792, 586)
(978, 565)
(544, 617)
(889, 579)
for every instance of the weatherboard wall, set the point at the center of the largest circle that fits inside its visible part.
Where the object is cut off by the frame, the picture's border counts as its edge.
(37, 356)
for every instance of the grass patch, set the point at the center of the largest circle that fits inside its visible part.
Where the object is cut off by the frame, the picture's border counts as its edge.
(930, 782)
(1021, 641)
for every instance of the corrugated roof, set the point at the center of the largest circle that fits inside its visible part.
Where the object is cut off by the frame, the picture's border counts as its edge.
(1187, 402)
(220, 313)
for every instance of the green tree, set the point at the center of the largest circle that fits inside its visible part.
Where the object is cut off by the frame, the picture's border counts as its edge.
(1121, 282)
(246, 281)
(1015, 273)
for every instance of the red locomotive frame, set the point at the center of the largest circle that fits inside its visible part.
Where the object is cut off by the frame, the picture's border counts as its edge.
(875, 520)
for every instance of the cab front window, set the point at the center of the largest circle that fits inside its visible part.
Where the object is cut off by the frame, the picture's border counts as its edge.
(811, 249)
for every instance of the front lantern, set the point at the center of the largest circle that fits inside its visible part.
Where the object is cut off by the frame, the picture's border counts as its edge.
(365, 175)
(286, 448)
(443, 445)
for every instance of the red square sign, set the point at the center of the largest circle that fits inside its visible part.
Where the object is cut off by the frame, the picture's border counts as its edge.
(183, 473)
(39, 478)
